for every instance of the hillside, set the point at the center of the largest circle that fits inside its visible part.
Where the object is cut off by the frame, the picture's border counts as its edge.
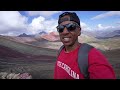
(26, 48)
(38, 59)
(6, 52)
(86, 39)
(17, 57)
(102, 44)
(111, 43)
(107, 34)
(45, 41)
(19, 39)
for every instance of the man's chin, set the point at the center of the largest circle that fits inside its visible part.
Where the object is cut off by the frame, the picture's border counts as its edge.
(67, 44)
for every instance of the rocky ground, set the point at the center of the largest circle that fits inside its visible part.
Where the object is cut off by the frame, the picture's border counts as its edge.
(39, 67)
(114, 58)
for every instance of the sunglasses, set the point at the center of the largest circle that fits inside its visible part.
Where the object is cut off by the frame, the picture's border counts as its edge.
(70, 27)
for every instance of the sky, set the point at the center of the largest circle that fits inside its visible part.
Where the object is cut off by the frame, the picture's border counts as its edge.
(14, 23)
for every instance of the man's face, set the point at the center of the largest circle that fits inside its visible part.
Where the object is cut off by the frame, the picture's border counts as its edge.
(69, 37)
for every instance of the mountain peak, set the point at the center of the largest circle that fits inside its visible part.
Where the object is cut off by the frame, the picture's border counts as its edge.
(25, 35)
(22, 35)
(42, 33)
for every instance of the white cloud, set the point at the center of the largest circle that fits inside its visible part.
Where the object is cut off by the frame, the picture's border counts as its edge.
(12, 22)
(40, 23)
(85, 27)
(42, 13)
(106, 28)
(99, 27)
(107, 14)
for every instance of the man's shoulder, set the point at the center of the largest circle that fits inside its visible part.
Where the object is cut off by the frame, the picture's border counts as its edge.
(95, 50)
(96, 55)
(86, 47)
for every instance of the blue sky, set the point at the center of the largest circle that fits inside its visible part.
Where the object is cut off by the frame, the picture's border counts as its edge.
(32, 22)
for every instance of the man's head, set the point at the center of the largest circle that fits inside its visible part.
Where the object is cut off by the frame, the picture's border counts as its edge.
(72, 17)
(69, 28)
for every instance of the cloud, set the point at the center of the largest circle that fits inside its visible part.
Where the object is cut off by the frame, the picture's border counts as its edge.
(107, 14)
(41, 24)
(12, 22)
(101, 27)
(42, 13)
(85, 27)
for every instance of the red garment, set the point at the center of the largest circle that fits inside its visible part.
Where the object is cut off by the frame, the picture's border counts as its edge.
(67, 67)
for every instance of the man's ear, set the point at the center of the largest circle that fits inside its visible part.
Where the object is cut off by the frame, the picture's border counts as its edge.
(79, 31)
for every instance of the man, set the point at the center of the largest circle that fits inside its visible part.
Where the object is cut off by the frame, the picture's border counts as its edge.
(66, 66)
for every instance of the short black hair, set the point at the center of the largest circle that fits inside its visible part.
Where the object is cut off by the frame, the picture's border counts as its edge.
(73, 17)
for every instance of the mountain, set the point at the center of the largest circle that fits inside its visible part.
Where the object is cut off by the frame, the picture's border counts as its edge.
(26, 48)
(99, 34)
(88, 33)
(25, 35)
(52, 41)
(42, 33)
(115, 33)
(33, 35)
(86, 39)
(20, 39)
(106, 35)
(52, 36)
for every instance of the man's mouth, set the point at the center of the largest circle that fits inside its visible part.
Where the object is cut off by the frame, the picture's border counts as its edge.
(66, 39)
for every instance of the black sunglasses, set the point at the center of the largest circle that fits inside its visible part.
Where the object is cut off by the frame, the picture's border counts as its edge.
(70, 27)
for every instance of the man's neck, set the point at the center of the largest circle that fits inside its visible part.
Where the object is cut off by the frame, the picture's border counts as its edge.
(72, 47)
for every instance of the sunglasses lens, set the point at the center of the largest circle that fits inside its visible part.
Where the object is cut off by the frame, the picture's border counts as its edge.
(71, 27)
(60, 28)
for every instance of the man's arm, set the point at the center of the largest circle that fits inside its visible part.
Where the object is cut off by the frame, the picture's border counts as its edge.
(99, 67)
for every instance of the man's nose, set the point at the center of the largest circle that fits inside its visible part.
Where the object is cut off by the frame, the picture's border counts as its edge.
(65, 30)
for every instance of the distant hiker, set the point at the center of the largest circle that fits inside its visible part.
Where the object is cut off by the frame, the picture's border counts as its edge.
(71, 58)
